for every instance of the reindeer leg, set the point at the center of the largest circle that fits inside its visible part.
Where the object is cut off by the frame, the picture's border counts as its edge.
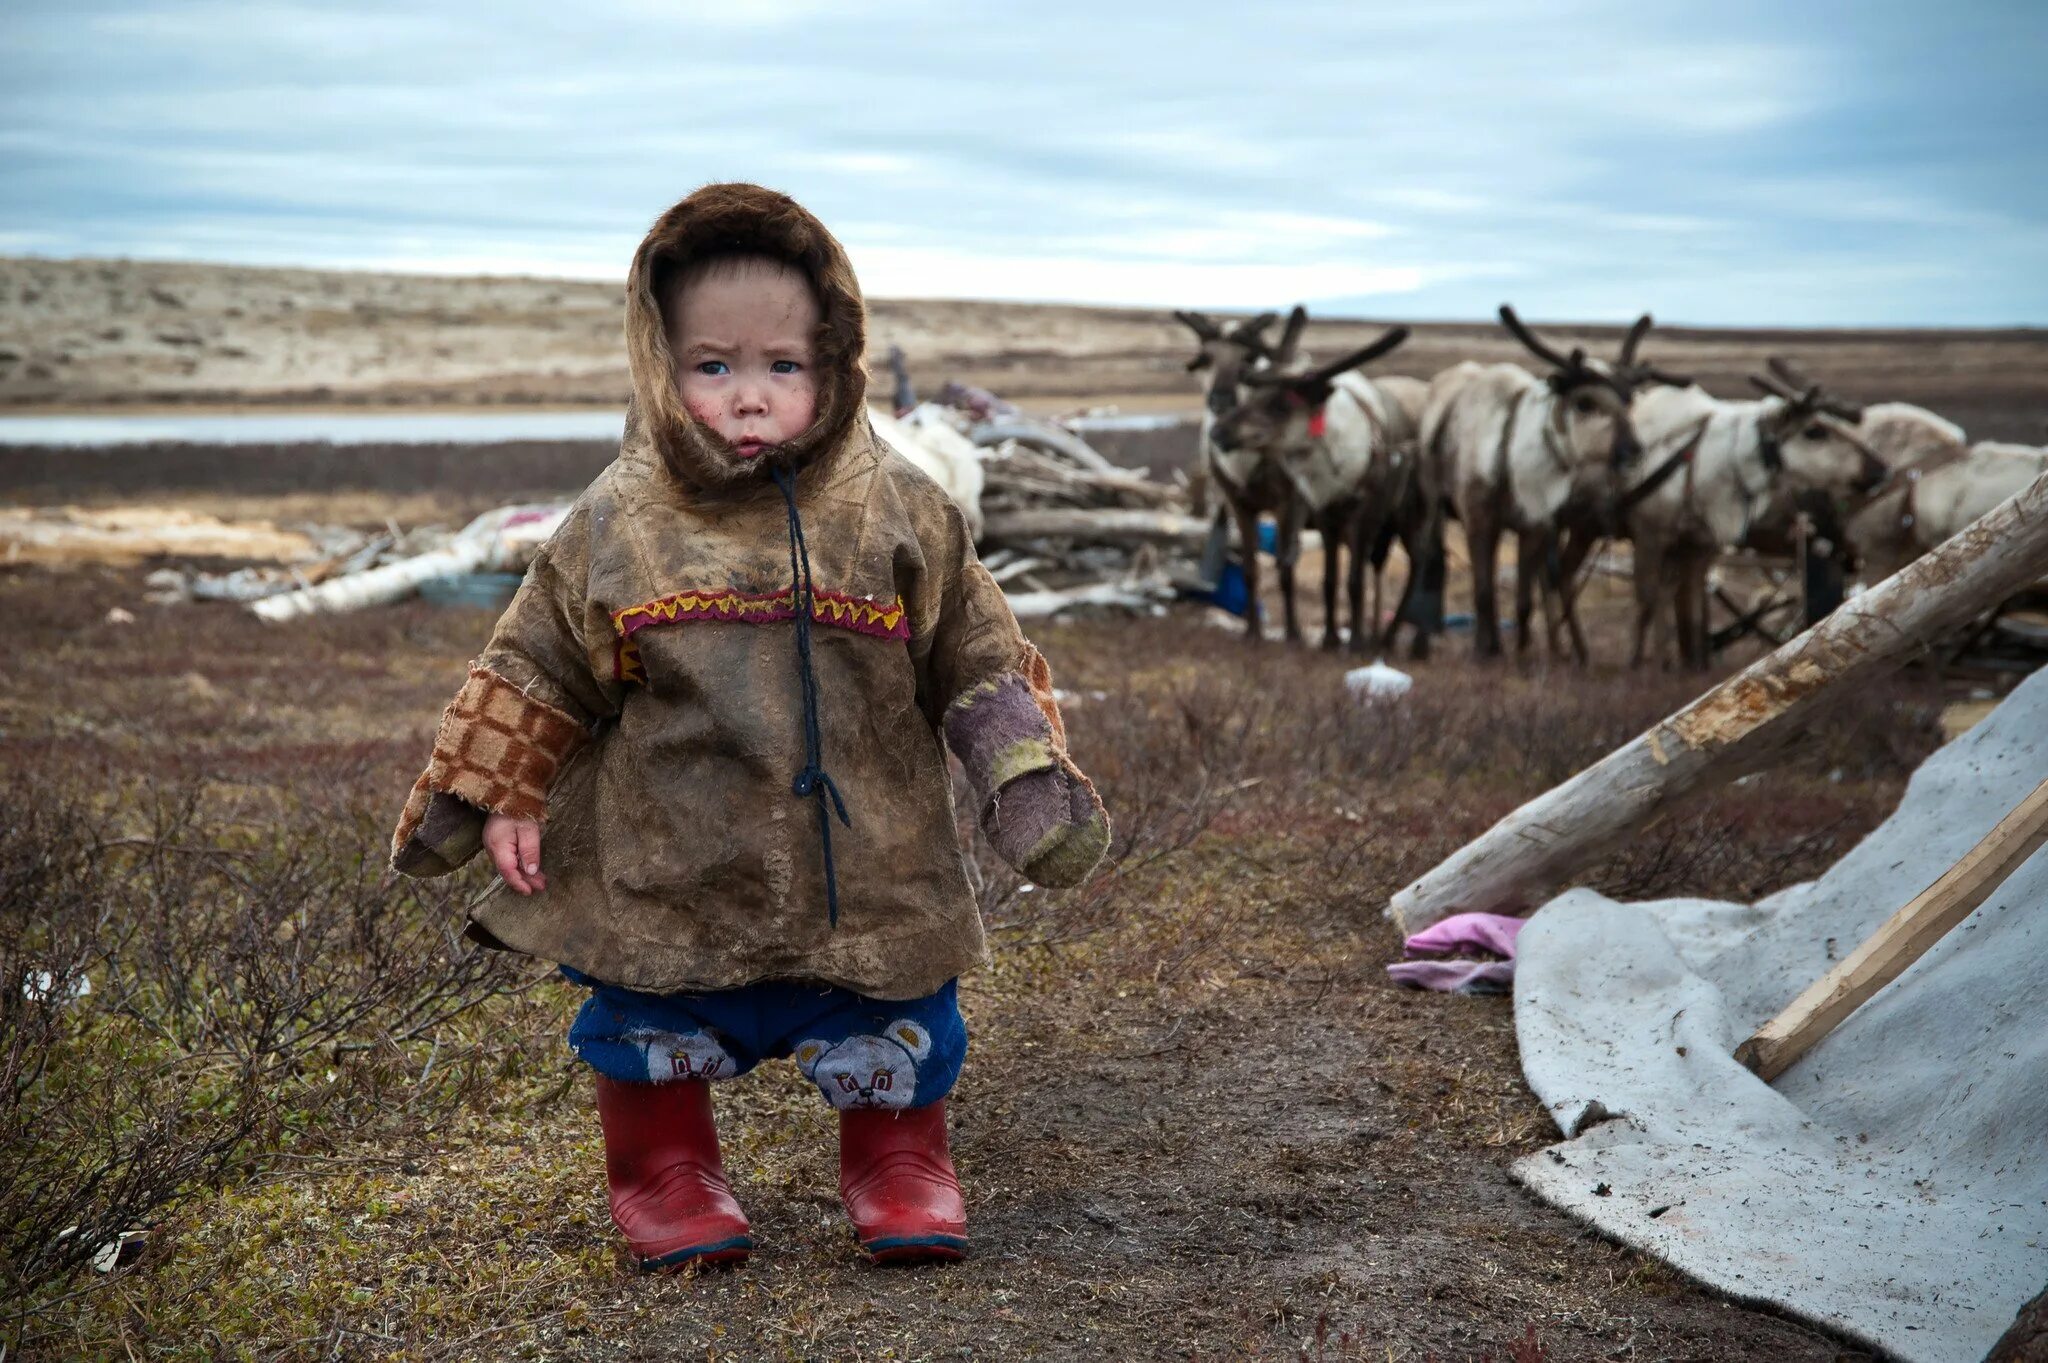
(1549, 574)
(1422, 595)
(1291, 514)
(1547, 585)
(1681, 606)
(1646, 578)
(1482, 533)
(1526, 548)
(1332, 525)
(1403, 607)
(1670, 607)
(1364, 530)
(1422, 599)
(1702, 656)
(1688, 600)
(1578, 546)
(1248, 548)
(1378, 609)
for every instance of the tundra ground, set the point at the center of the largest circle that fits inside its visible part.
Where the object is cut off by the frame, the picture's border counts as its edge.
(100, 333)
(1196, 1122)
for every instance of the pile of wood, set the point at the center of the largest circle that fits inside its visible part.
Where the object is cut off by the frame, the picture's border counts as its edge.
(1064, 528)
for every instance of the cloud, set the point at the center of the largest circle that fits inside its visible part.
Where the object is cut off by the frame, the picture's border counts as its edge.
(1141, 281)
(1811, 164)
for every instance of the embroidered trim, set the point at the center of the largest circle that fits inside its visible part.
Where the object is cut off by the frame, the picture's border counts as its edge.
(626, 665)
(857, 613)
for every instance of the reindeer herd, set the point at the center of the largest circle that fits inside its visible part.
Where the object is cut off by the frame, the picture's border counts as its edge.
(1583, 451)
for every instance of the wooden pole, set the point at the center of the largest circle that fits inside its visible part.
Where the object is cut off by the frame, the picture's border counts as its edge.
(1904, 939)
(1741, 723)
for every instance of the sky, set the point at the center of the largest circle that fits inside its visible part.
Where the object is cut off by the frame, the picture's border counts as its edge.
(1844, 162)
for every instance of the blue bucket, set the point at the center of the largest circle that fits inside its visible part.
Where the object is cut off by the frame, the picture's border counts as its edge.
(1230, 593)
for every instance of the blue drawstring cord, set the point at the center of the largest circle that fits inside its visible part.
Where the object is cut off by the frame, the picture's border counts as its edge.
(811, 782)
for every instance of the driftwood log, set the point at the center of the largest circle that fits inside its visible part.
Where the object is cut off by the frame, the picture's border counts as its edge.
(1103, 525)
(1134, 595)
(1046, 437)
(478, 546)
(1740, 724)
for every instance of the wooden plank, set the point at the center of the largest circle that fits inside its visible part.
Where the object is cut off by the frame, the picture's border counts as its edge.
(1902, 940)
(1739, 725)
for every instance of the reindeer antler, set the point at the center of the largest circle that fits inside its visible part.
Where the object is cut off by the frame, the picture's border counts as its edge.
(1290, 337)
(1248, 332)
(1637, 372)
(1536, 347)
(1391, 339)
(1630, 342)
(1321, 375)
(1204, 328)
(1784, 381)
(1777, 388)
(1789, 372)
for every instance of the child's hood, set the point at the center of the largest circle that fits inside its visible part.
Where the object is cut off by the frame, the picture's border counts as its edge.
(741, 217)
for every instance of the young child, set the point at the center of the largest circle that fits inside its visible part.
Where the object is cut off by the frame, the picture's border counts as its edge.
(706, 747)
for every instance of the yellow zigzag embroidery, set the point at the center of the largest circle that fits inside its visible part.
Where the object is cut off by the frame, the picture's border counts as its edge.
(840, 609)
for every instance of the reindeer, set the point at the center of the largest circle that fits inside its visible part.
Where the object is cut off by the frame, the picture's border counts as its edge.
(1719, 475)
(1525, 455)
(1910, 441)
(1585, 524)
(1349, 446)
(1925, 502)
(1250, 486)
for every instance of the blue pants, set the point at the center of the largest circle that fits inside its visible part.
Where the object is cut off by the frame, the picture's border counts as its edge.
(860, 1052)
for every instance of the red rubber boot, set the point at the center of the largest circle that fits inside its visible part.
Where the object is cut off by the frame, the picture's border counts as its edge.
(668, 1188)
(898, 1184)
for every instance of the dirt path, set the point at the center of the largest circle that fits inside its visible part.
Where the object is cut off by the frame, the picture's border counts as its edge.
(1224, 1182)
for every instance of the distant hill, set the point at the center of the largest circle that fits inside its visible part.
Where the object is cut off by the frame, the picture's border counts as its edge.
(109, 333)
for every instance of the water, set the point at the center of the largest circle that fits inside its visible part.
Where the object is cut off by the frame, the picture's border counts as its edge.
(383, 428)
(286, 428)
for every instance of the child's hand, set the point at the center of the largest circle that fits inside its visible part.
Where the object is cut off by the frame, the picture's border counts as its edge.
(514, 845)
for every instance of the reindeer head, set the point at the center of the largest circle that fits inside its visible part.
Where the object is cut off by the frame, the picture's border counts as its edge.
(1230, 355)
(1282, 411)
(1811, 438)
(1593, 398)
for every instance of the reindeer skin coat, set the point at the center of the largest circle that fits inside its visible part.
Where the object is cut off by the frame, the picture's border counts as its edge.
(642, 692)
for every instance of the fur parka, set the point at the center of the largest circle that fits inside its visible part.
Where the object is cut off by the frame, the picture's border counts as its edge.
(642, 695)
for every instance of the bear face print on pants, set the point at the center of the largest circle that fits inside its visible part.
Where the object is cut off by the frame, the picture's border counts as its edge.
(682, 1055)
(868, 1071)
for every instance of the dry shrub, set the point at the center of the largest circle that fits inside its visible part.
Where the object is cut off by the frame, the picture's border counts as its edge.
(1187, 733)
(248, 987)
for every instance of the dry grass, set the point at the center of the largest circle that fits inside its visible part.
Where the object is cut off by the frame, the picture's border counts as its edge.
(1197, 1122)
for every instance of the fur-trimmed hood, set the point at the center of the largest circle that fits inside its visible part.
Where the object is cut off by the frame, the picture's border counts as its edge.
(740, 217)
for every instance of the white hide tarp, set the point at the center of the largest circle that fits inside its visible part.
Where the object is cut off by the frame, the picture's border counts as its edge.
(1893, 1184)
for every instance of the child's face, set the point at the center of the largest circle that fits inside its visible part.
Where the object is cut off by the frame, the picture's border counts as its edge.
(743, 341)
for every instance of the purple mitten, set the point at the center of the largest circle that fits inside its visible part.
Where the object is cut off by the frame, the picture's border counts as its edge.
(1050, 826)
(1038, 810)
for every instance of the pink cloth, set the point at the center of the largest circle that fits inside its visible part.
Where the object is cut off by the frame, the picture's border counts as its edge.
(1459, 942)
(1493, 933)
(1455, 977)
